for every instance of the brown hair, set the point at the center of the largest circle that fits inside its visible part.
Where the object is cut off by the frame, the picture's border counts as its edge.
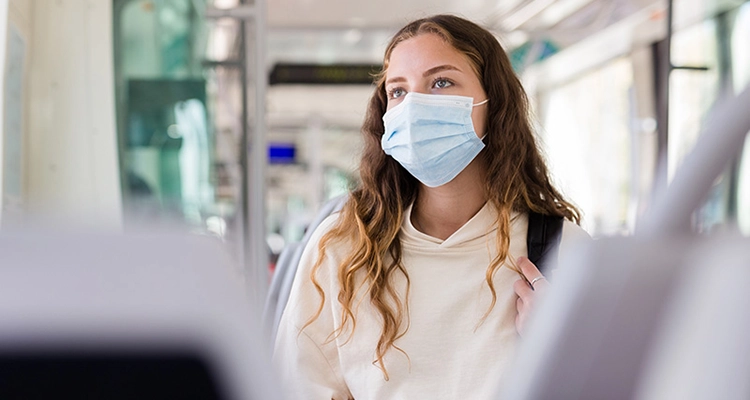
(516, 180)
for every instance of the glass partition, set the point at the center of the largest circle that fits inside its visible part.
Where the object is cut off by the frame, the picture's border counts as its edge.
(692, 92)
(179, 81)
(720, 44)
(692, 95)
(587, 134)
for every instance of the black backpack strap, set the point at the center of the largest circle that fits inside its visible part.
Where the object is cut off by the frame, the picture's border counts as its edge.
(543, 239)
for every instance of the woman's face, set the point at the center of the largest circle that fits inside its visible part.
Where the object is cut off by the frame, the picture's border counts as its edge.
(427, 64)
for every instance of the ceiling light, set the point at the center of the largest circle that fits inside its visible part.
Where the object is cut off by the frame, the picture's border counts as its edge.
(560, 10)
(529, 11)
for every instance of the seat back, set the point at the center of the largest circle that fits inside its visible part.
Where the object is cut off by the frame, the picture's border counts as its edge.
(127, 316)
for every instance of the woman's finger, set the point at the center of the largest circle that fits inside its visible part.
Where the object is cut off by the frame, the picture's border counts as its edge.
(531, 273)
(522, 289)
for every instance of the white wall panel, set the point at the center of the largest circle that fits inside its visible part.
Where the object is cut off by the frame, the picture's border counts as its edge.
(72, 148)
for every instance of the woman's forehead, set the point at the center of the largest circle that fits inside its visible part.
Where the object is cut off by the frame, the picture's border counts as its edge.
(422, 53)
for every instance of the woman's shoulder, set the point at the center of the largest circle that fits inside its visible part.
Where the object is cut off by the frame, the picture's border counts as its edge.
(323, 219)
(572, 237)
(573, 233)
(307, 264)
(325, 226)
(327, 236)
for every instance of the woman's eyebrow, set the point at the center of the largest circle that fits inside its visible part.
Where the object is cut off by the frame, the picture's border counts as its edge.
(431, 71)
(440, 68)
(395, 79)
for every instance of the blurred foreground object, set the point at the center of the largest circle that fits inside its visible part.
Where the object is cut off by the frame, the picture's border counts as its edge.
(660, 315)
(126, 316)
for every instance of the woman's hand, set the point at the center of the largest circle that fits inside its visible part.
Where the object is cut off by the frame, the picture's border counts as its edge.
(528, 291)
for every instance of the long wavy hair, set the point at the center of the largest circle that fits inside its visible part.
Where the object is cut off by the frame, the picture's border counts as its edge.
(516, 180)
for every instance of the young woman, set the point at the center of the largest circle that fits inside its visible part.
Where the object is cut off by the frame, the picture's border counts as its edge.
(419, 288)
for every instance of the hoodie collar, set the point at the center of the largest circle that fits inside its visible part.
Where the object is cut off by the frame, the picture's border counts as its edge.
(474, 231)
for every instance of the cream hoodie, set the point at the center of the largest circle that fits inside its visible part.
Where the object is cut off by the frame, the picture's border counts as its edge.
(451, 353)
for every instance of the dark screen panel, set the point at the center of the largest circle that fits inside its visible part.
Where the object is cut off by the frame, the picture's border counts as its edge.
(330, 74)
(106, 376)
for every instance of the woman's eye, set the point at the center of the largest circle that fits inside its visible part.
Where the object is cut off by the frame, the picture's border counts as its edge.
(396, 93)
(442, 83)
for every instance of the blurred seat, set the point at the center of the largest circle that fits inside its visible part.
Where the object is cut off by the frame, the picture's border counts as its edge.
(701, 350)
(126, 316)
(660, 315)
(642, 319)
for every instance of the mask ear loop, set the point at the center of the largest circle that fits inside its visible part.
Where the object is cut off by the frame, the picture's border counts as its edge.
(479, 104)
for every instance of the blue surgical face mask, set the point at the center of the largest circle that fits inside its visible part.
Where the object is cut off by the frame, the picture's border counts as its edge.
(432, 136)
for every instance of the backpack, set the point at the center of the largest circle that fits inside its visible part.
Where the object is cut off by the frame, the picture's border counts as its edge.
(542, 241)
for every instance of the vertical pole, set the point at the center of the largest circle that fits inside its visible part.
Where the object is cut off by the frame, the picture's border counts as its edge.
(668, 69)
(253, 152)
(256, 71)
(726, 90)
(244, 216)
(663, 65)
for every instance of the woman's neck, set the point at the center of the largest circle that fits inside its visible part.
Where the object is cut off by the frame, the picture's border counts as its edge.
(441, 211)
